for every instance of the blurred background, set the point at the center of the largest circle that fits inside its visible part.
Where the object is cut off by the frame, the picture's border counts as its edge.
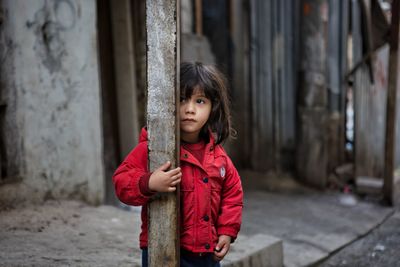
(308, 84)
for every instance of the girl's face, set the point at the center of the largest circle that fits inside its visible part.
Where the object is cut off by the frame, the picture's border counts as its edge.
(194, 113)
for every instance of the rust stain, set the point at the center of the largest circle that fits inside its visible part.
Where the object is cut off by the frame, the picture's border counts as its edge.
(306, 9)
(380, 74)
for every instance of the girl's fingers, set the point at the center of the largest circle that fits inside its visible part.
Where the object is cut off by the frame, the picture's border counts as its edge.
(217, 258)
(221, 248)
(175, 182)
(165, 166)
(177, 177)
(171, 189)
(174, 171)
(174, 178)
(221, 253)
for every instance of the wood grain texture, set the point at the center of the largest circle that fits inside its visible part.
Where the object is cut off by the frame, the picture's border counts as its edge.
(162, 20)
(390, 144)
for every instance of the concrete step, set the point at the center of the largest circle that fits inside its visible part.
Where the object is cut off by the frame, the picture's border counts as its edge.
(259, 250)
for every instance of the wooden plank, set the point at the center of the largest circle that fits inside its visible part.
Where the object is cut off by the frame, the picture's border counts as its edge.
(199, 17)
(111, 150)
(240, 83)
(336, 68)
(391, 105)
(139, 33)
(369, 105)
(370, 109)
(262, 112)
(125, 75)
(162, 25)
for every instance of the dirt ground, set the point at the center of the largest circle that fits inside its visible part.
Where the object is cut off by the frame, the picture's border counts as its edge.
(380, 248)
(108, 239)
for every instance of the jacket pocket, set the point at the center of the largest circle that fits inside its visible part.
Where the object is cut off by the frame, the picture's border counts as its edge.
(215, 199)
(217, 175)
(187, 208)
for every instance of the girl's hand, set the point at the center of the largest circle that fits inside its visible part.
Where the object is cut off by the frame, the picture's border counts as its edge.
(224, 243)
(162, 180)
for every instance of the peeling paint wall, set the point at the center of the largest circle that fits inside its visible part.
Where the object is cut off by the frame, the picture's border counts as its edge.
(49, 78)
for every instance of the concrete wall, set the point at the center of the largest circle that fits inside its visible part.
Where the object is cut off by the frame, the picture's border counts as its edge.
(50, 83)
(186, 16)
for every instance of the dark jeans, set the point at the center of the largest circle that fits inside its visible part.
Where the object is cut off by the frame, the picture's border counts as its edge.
(188, 261)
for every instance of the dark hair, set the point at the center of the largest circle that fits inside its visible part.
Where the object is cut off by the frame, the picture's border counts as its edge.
(207, 78)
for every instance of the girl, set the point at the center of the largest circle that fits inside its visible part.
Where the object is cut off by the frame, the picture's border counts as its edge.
(211, 190)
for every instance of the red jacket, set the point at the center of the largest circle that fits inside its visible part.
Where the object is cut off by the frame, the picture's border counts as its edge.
(211, 194)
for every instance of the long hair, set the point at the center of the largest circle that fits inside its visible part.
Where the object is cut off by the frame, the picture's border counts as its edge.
(208, 79)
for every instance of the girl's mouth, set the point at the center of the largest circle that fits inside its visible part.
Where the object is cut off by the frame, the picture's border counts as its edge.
(188, 120)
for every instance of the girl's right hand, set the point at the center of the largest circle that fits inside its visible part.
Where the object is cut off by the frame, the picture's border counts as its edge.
(162, 180)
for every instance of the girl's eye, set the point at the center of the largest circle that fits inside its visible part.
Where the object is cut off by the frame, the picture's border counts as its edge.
(182, 99)
(200, 101)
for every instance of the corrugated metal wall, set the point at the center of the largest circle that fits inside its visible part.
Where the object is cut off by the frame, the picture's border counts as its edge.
(273, 79)
(369, 105)
(337, 68)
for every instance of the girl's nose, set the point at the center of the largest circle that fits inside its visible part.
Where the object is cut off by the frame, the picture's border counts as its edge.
(189, 107)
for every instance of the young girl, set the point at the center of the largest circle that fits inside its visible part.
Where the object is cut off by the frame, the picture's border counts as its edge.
(211, 190)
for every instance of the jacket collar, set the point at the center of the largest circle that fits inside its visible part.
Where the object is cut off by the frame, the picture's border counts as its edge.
(185, 155)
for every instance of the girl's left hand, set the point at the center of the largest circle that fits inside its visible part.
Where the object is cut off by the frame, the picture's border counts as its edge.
(224, 243)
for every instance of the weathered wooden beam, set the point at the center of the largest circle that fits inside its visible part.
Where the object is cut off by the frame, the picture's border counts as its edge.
(199, 17)
(241, 81)
(125, 74)
(162, 26)
(390, 143)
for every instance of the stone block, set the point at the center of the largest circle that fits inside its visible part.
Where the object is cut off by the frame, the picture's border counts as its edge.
(255, 251)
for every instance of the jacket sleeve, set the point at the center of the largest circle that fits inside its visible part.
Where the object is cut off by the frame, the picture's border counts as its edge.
(230, 218)
(127, 177)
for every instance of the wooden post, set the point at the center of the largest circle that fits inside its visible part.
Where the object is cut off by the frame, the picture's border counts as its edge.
(199, 17)
(162, 26)
(391, 105)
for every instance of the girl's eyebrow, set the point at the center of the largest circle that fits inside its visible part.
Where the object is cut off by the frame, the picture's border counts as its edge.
(199, 94)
